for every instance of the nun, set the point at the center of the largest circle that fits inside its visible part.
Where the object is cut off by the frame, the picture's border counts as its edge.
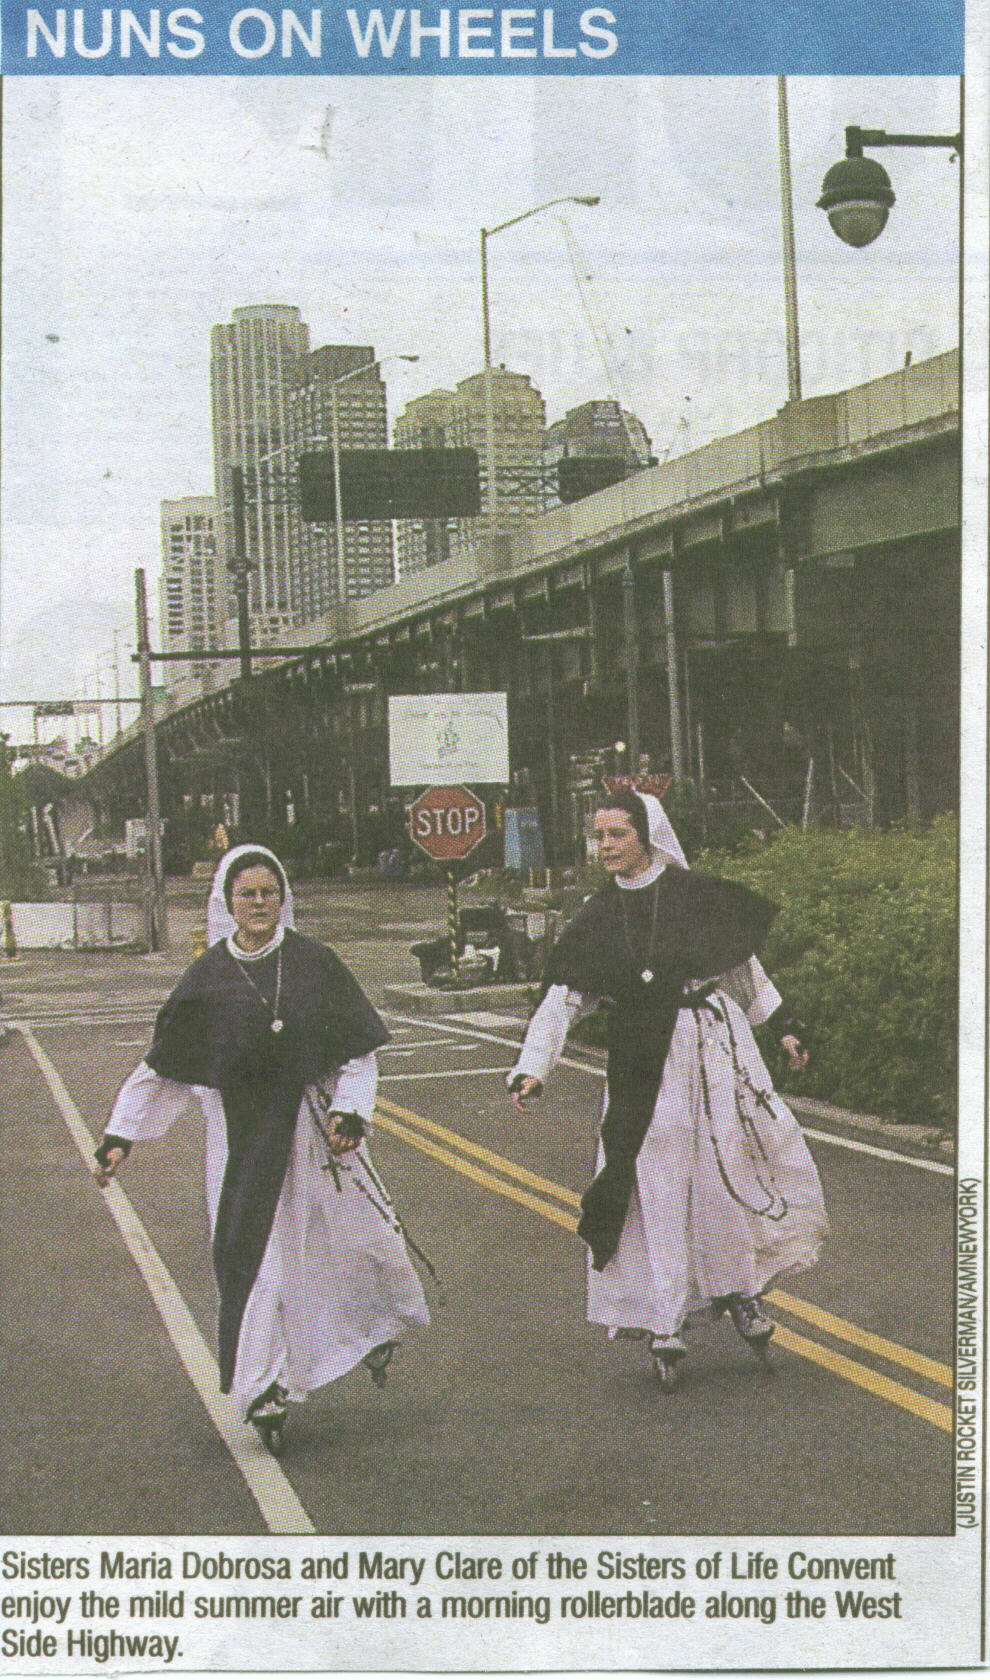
(704, 1191)
(273, 1036)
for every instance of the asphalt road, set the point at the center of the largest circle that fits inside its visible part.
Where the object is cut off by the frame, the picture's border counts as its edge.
(511, 1414)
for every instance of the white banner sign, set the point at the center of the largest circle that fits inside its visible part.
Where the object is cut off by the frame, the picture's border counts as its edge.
(439, 739)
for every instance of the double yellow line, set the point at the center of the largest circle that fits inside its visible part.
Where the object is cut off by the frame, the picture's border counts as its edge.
(555, 1203)
(495, 1172)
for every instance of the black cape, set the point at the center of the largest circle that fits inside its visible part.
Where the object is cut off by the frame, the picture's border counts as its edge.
(703, 928)
(215, 1030)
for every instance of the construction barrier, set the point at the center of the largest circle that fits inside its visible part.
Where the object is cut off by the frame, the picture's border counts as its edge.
(82, 926)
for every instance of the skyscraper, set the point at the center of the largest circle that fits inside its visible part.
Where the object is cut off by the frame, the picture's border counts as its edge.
(362, 424)
(593, 431)
(255, 361)
(188, 596)
(425, 423)
(518, 417)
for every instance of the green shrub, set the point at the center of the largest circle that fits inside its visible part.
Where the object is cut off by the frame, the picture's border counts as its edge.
(864, 950)
(20, 876)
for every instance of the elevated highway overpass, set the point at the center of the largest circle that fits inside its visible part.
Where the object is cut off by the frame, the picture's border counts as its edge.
(787, 593)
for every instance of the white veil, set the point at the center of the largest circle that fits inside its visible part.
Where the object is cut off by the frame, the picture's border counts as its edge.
(664, 844)
(220, 923)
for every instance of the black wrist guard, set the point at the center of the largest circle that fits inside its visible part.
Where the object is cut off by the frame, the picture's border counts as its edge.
(350, 1127)
(782, 1024)
(515, 1085)
(102, 1154)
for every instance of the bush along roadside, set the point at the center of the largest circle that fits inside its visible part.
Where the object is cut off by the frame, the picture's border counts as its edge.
(864, 950)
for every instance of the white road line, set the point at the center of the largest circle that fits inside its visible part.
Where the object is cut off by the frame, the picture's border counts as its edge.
(442, 1073)
(418, 1044)
(57, 1018)
(275, 1497)
(494, 1038)
(809, 1131)
(480, 1018)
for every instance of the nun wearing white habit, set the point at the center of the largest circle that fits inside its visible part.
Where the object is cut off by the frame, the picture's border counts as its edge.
(271, 1033)
(705, 1191)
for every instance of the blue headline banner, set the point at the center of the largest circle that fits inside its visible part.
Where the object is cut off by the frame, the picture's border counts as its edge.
(355, 37)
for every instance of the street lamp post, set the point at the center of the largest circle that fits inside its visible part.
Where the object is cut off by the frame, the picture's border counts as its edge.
(787, 236)
(856, 193)
(155, 876)
(116, 680)
(240, 565)
(338, 511)
(486, 234)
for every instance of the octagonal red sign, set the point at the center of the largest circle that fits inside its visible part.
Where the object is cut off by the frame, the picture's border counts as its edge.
(447, 822)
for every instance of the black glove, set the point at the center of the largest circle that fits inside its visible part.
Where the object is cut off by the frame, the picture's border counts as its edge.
(102, 1154)
(350, 1127)
(515, 1084)
(782, 1023)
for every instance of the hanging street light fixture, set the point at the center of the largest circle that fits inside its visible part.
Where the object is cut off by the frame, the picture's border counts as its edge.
(856, 193)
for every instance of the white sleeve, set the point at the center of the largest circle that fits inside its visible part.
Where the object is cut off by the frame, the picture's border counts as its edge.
(547, 1032)
(750, 987)
(147, 1105)
(354, 1092)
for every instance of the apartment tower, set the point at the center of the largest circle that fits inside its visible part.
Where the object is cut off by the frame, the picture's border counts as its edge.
(255, 362)
(594, 431)
(188, 594)
(350, 371)
(425, 423)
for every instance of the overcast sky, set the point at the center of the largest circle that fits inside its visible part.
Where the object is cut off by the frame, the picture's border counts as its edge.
(138, 212)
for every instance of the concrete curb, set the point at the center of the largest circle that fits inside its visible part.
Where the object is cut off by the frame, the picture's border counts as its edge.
(921, 1140)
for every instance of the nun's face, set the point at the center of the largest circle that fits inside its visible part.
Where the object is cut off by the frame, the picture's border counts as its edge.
(255, 901)
(620, 849)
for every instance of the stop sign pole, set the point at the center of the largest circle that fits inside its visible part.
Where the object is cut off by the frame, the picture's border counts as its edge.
(447, 823)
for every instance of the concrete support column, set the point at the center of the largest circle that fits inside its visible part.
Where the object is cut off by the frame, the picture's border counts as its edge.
(631, 642)
(790, 606)
(552, 755)
(677, 763)
(593, 625)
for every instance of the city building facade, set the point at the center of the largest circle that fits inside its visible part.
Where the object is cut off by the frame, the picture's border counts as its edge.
(519, 418)
(188, 595)
(255, 362)
(594, 431)
(425, 423)
(362, 419)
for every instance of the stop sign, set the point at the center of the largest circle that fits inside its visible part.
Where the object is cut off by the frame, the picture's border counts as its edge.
(447, 822)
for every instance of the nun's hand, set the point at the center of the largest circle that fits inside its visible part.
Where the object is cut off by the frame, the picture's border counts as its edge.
(106, 1170)
(524, 1087)
(345, 1133)
(797, 1055)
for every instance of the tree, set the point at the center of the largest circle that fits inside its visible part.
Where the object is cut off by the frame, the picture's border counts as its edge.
(20, 876)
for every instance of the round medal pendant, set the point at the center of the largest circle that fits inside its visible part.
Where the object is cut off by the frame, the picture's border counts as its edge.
(277, 1025)
(646, 976)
